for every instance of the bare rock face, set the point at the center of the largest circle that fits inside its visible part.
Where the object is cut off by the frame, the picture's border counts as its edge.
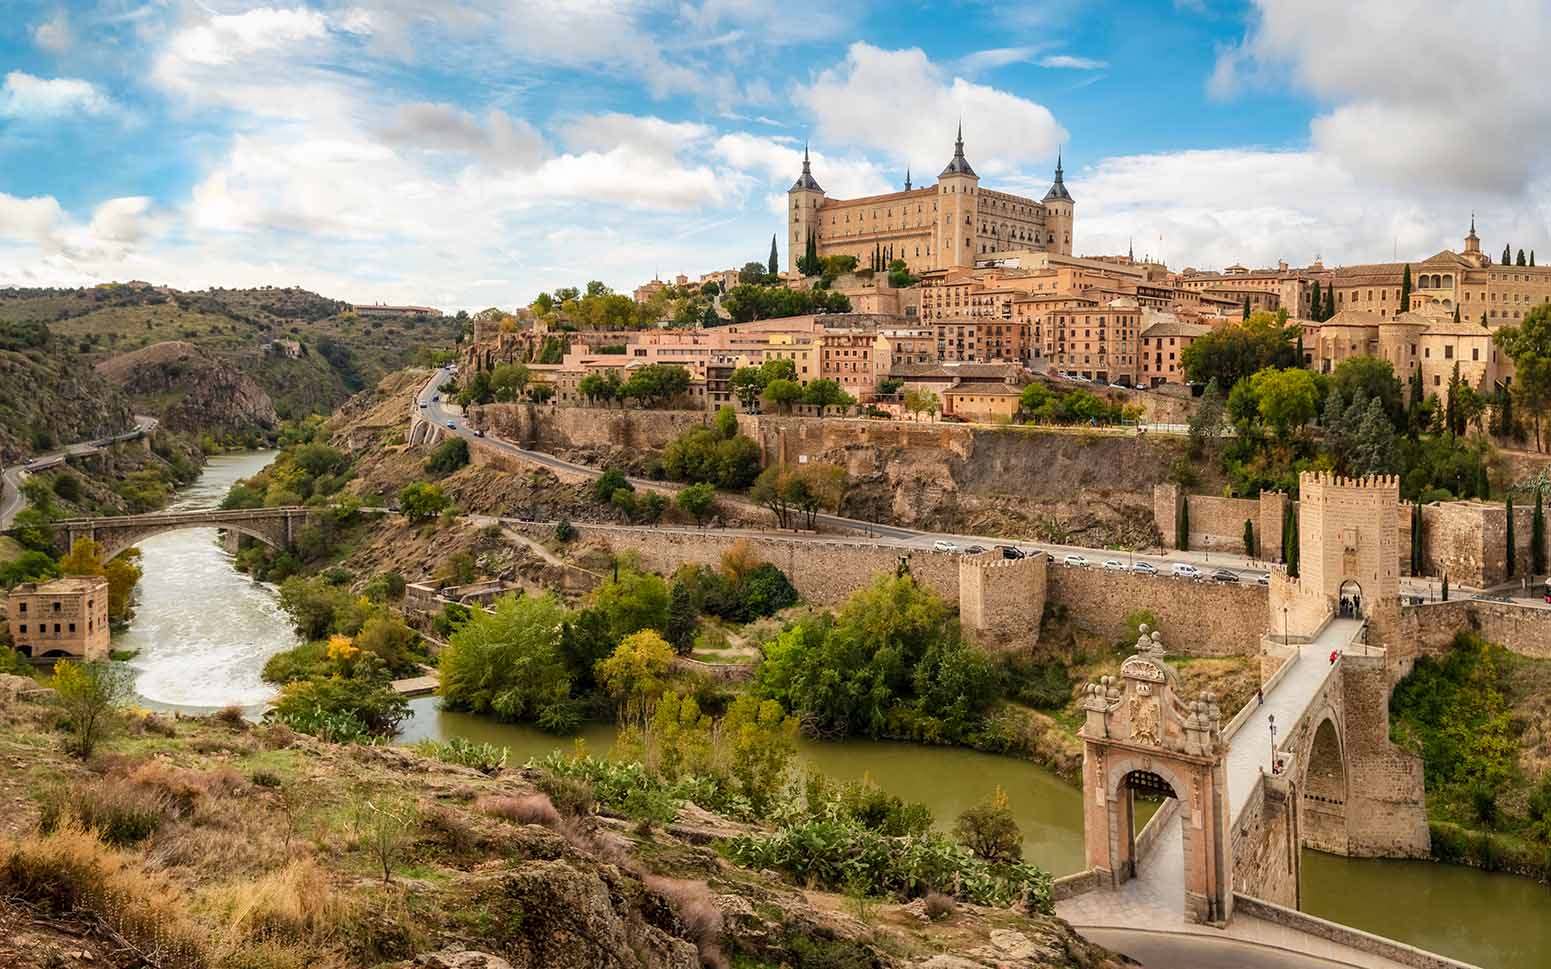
(190, 389)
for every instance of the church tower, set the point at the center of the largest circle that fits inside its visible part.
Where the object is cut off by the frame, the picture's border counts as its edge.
(958, 191)
(1058, 215)
(1472, 251)
(802, 213)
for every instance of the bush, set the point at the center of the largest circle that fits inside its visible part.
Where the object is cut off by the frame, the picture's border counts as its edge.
(533, 809)
(421, 502)
(610, 481)
(990, 831)
(90, 695)
(564, 531)
(572, 796)
(940, 906)
(340, 709)
(485, 758)
(118, 811)
(506, 661)
(449, 457)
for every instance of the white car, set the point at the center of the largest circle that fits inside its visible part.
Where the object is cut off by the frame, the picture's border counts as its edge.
(1075, 560)
(1263, 578)
(942, 546)
(1184, 570)
(1144, 568)
(1114, 565)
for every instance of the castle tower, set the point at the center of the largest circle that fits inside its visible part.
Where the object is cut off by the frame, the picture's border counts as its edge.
(958, 188)
(1473, 246)
(1058, 214)
(804, 199)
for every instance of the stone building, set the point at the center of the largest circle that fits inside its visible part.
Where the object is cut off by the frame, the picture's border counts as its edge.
(63, 618)
(1427, 339)
(952, 223)
(1162, 351)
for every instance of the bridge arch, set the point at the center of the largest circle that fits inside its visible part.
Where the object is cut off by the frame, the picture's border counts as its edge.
(1129, 773)
(1326, 783)
(275, 527)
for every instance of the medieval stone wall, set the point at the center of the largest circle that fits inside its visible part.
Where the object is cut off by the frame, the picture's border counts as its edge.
(1385, 811)
(1266, 845)
(1197, 618)
(1217, 524)
(1001, 601)
(1429, 629)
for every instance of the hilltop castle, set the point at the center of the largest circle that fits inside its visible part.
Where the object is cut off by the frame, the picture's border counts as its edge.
(948, 225)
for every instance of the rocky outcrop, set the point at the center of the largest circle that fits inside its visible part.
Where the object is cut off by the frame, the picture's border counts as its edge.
(48, 396)
(190, 389)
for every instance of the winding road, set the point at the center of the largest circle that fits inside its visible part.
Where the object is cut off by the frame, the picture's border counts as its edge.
(12, 501)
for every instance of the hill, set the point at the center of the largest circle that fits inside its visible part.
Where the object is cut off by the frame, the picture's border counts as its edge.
(48, 397)
(307, 352)
(190, 389)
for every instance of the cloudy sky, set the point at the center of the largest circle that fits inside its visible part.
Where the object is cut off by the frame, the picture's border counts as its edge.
(468, 153)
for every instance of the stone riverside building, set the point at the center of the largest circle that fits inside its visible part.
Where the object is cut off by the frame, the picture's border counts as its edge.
(952, 223)
(64, 618)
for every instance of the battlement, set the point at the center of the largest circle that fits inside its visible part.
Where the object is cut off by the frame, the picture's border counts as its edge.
(1369, 482)
(1002, 600)
(1031, 563)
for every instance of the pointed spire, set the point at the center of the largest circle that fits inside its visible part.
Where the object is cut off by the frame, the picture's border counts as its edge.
(1058, 188)
(907, 178)
(1472, 227)
(959, 165)
(806, 181)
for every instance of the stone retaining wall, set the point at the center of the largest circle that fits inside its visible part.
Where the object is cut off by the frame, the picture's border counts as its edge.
(1429, 629)
(1406, 955)
(1198, 618)
(1266, 843)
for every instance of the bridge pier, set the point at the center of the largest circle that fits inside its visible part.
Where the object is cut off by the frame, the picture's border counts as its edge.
(276, 527)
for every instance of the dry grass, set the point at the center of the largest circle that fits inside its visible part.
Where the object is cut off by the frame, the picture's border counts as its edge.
(691, 902)
(940, 906)
(232, 716)
(118, 811)
(533, 809)
(69, 869)
(297, 903)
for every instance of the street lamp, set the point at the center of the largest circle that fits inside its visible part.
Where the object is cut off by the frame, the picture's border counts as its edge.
(1285, 637)
(1272, 718)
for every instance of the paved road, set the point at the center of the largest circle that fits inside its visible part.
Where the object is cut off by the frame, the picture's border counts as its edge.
(13, 501)
(1166, 950)
(449, 417)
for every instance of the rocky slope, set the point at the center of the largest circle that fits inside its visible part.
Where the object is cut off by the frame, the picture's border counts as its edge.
(49, 395)
(190, 389)
(255, 846)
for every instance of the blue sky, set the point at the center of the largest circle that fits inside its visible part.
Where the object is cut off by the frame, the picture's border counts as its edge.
(477, 153)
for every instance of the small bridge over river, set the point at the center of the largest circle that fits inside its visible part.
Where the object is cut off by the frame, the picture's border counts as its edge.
(276, 527)
(1311, 766)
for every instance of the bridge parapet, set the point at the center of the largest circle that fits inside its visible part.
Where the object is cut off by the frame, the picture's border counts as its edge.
(276, 527)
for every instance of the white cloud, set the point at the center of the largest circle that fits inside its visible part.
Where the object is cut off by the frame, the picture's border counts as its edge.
(500, 141)
(57, 240)
(780, 162)
(230, 38)
(980, 61)
(1069, 62)
(1212, 208)
(54, 35)
(903, 105)
(649, 136)
(1443, 102)
(28, 98)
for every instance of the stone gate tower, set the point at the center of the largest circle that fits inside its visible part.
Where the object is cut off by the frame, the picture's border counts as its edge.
(1348, 556)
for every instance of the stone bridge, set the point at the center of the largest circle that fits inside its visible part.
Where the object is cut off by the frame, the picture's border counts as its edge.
(276, 527)
(1309, 764)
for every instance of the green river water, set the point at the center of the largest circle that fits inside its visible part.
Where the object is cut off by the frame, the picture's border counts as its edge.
(196, 657)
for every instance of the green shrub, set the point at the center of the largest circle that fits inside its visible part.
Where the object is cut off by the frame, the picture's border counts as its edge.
(483, 757)
(988, 829)
(119, 811)
(449, 457)
(341, 709)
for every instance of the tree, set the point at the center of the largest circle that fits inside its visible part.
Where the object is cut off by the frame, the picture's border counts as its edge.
(919, 400)
(506, 661)
(1537, 535)
(1315, 306)
(1330, 300)
(725, 422)
(1233, 353)
(1206, 421)
(1522, 261)
(752, 273)
(1372, 446)
(1507, 255)
(698, 500)
(1246, 306)
(1251, 547)
(1287, 399)
(810, 264)
(1405, 289)
(1510, 554)
(1416, 538)
(655, 383)
(599, 386)
(1445, 591)
(421, 501)
(990, 831)
(122, 572)
(1529, 344)
(775, 257)
(610, 481)
(451, 455)
(1293, 544)
(90, 695)
(682, 618)
(783, 393)
(769, 490)
(826, 393)
(1532, 257)
(747, 385)
(635, 674)
(1375, 379)
(633, 601)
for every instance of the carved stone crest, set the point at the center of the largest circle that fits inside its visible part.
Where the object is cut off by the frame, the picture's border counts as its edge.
(1145, 716)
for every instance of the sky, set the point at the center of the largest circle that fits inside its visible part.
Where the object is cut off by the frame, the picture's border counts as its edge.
(472, 153)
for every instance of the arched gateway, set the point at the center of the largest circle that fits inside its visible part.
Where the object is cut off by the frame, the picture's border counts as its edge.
(1139, 736)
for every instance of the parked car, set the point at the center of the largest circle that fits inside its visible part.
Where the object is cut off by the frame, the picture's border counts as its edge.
(1011, 551)
(1225, 575)
(1263, 578)
(1185, 570)
(1144, 568)
(942, 546)
(423, 405)
(452, 423)
(975, 550)
(436, 398)
(1114, 565)
(1075, 560)
(479, 433)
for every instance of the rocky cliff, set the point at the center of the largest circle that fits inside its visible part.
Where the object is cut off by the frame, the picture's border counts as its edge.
(190, 389)
(50, 396)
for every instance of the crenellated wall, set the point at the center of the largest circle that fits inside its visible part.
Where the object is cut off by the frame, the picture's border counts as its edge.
(1199, 618)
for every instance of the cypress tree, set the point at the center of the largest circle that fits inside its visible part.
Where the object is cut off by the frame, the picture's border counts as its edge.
(775, 257)
(1537, 537)
(1330, 301)
(1292, 560)
(1509, 535)
(1287, 533)
(1246, 307)
(1456, 312)
(1182, 539)
(1405, 289)
(1507, 255)
(1521, 258)
(1505, 416)
(1249, 539)
(1314, 301)
(1483, 482)
(1416, 537)
(1445, 588)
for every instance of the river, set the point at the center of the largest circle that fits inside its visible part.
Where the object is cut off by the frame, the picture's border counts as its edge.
(204, 631)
